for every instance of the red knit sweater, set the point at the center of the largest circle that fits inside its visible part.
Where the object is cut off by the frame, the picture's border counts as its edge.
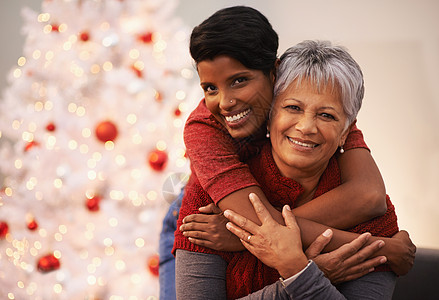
(245, 273)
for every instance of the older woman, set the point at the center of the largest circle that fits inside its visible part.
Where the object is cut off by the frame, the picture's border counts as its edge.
(318, 94)
(235, 51)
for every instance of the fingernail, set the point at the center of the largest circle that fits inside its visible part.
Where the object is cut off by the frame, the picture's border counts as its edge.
(383, 259)
(327, 232)
(226, 214)
(251, 196)
(228, 226)
(371, 270)
(288, 207)
(180, 228)
(381, 244)
(366, 236)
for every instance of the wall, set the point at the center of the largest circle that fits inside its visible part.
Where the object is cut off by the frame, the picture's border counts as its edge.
(397, 44)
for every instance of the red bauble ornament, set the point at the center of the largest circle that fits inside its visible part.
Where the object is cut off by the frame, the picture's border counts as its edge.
(153, 264)
(106, 131)
(31, 145)
(4, 229)
(157, 159)
(32, 225)
(93, 203)
(145, 38)
(55, 27)
(48, 263)
(50, 127)
(84, 36)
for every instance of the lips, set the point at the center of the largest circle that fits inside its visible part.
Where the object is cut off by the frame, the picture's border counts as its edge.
(237, 119)
(303, 144)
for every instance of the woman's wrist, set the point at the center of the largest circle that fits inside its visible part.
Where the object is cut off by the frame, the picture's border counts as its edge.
(293, 266)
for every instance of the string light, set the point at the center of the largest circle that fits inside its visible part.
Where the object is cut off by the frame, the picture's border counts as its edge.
(71, 75)
(17, 73)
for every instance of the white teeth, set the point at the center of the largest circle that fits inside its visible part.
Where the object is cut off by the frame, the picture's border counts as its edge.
(301, 144)
(238, 116)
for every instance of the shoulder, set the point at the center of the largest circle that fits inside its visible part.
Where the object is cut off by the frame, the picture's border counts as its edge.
(202, 122)
(201, 114)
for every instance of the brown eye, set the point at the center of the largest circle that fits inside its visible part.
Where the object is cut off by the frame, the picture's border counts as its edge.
(328, 116)
(209, 89)
(239, 80)
(293, 107)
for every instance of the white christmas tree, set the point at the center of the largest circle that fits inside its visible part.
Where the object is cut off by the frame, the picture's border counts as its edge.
(91, 128)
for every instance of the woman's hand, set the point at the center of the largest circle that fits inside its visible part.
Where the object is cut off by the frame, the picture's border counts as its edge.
(348, 262)
(277, 246)
(208, 229)
(400, 252)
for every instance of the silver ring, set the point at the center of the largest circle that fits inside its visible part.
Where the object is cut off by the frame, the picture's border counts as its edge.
(248, 238)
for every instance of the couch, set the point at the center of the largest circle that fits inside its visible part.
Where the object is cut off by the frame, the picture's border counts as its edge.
(422, 282)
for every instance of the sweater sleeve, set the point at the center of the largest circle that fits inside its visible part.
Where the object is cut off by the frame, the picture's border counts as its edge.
(355, 139)
(202, 276)
(310, 284)
(214, 155)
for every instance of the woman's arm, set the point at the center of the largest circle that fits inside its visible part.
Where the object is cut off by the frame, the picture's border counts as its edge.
(200, 276)
(229, 181)
(280, 247)
(399, 250)
(311, 284)
(360, 197)
(203, 276)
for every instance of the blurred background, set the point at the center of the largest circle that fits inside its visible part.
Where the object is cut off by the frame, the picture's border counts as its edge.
(396, 42)
(397, 45)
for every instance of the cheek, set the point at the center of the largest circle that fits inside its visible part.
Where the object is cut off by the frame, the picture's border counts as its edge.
(284, 121)
(333, 136)
(277, 130)
(211, 104)
(263, 97)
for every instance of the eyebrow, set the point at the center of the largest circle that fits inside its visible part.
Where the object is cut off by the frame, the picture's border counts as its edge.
(324, 107)
(235, 75)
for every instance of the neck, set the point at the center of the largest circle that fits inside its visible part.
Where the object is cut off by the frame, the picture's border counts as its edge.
(308, 178)
(310, 186)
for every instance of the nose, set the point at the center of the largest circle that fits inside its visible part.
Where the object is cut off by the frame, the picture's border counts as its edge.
(306, 124)
(227, 101)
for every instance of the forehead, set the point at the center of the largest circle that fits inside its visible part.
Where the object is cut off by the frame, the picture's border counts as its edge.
(220, 65)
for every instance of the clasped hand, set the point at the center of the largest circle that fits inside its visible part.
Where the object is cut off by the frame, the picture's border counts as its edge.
(272, 242)
(208, 229)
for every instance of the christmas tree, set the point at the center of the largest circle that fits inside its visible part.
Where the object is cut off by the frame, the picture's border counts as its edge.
(91, 148)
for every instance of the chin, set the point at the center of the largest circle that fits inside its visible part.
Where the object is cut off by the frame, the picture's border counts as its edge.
(238, 135)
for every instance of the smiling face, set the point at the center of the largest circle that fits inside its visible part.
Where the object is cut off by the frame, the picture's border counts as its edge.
(306, 127)
(238, 97)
